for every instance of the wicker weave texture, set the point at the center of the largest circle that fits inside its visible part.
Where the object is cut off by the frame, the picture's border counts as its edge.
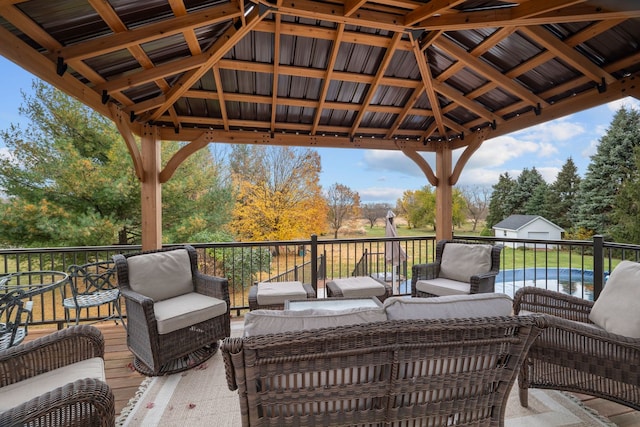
(481, 283)
(418, 372)
(157, 350)
(86, 402)
(573, 355)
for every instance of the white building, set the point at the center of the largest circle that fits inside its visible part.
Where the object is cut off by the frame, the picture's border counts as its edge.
(532, 227)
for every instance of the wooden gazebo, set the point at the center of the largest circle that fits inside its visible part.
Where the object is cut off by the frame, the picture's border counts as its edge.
(408, 75)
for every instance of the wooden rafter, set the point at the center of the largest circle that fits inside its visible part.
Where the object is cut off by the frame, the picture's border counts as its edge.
(327, 78)
(276, 73)
(434, 7)
(149, 32)
(373, 87)
(427, 81)
(488, 72)
(567, 54)
(221, 97)
(215, 53)
(112, 19)
(541, 15)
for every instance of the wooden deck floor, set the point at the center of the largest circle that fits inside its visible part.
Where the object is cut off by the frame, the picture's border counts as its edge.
(125, 381)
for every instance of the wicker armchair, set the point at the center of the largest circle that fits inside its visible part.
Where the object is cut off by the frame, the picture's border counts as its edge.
(575, 355)
(175, 314)
(38, 386)
(463, 276)
(396, 372)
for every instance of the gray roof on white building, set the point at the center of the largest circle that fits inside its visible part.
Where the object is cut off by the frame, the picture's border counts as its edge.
(516, 222)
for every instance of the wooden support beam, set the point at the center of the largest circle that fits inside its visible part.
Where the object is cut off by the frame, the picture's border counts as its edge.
(422, 164)
(444, 192)
(151, 190)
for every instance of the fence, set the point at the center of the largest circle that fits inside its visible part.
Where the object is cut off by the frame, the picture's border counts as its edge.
(576, 267)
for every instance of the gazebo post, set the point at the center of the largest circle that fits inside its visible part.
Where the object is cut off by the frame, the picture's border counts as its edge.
(444, 193)
(151, 189)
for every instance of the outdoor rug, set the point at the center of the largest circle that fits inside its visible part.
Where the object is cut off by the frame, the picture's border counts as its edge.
(200, 397)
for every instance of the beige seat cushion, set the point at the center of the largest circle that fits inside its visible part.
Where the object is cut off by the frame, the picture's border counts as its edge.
(262, 322)
(448, 307)
(460, 261)
(23, 391)
(186, 310)
(442, 287)
(274, 293)
(360, 286)
(161, 275)
(617, 309)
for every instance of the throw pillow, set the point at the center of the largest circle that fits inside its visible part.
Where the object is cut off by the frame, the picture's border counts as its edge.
(460, 261)
(617, 309)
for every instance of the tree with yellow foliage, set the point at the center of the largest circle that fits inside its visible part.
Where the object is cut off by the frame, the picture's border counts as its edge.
(278, 193)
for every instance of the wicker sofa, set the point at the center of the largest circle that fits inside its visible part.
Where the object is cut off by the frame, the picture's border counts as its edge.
(379, 368)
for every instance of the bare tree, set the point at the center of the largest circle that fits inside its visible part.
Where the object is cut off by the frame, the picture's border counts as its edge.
(374, 211)
(477, 198)
(343, 203)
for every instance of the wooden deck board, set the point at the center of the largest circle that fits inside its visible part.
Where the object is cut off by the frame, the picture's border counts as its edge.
(124, 381)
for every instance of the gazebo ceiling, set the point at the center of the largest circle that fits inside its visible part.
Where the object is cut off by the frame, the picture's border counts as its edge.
(386, 74)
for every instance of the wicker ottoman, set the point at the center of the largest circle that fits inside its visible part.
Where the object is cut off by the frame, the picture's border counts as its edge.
(272, 295)
(358, 287)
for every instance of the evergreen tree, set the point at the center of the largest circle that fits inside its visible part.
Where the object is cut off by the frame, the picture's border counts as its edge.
(562, 195)
(626, 211)
(526, 184)
(610, 167)
(499, 206)
(538, 203)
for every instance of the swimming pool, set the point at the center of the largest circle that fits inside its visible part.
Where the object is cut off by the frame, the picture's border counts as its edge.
(572, 281)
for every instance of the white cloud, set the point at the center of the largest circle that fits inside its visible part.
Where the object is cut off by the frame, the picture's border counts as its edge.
(553, 132)
(627, 102)
(591, 149)
(549, 173)
(380, 194)
(498, 151)
(5, 153)
(390, 161)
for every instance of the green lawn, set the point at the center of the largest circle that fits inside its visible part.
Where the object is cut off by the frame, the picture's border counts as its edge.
(511, 258)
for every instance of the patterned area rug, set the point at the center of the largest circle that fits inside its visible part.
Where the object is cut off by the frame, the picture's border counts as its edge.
(200, 397)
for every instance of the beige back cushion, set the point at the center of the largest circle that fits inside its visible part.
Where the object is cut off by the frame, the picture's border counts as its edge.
(161, 275)
(617, 309)
(448, 307)
(262, 322)
(460, 261)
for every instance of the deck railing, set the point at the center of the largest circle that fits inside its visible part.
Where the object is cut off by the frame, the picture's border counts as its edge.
(576, 267)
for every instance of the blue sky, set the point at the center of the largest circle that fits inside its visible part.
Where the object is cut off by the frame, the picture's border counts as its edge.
(382, 176)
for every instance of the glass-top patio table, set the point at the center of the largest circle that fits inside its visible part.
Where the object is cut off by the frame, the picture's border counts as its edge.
(33, 283)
